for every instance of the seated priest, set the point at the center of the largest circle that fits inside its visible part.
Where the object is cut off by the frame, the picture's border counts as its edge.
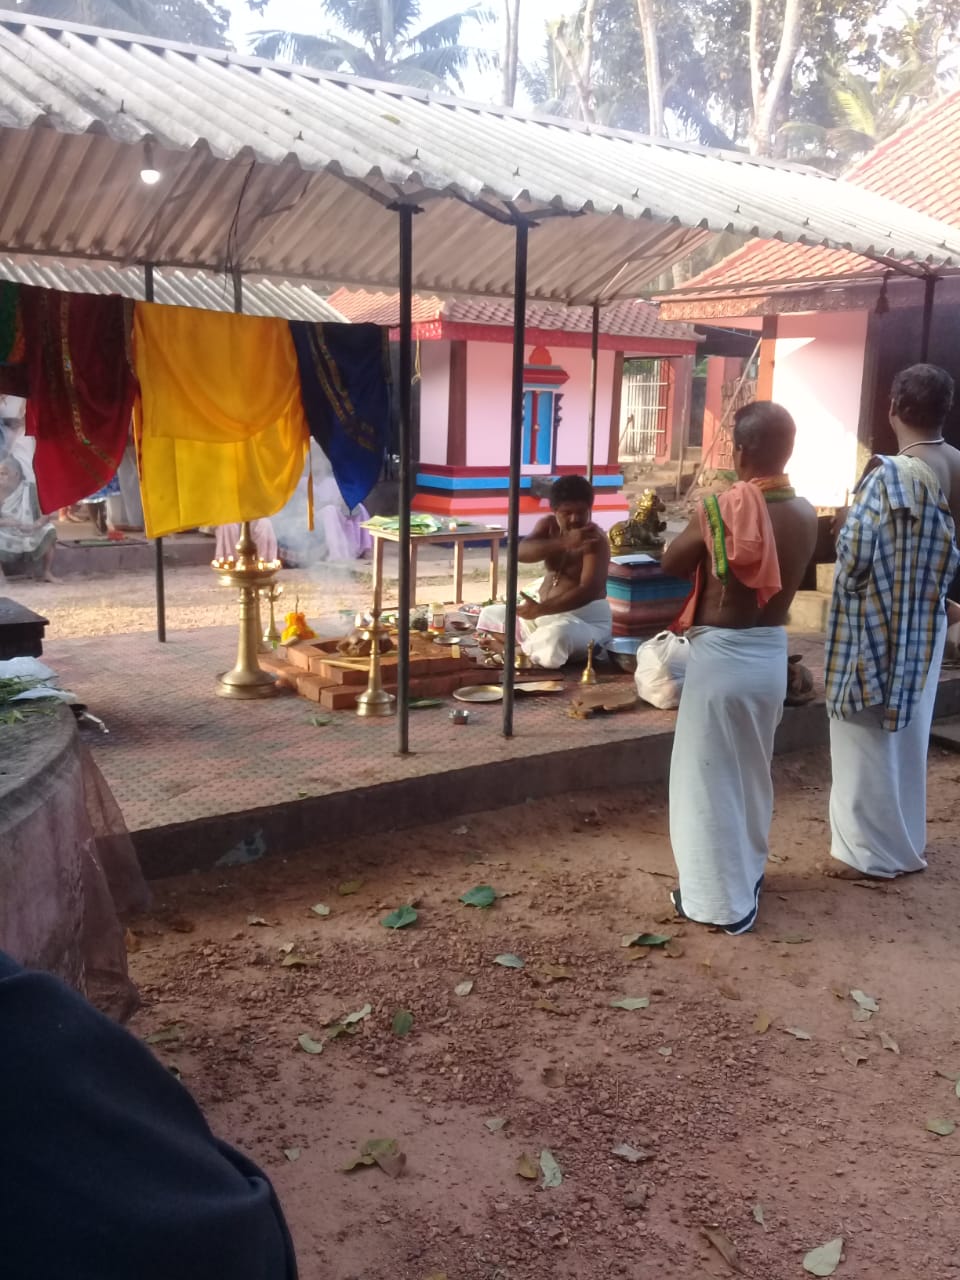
(567, 609)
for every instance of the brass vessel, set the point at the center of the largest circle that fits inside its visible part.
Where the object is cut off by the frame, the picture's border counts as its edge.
(248, 574)
(375, 700)
(589, 675)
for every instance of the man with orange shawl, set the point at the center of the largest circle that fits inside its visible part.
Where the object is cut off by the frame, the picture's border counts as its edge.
(747, 550)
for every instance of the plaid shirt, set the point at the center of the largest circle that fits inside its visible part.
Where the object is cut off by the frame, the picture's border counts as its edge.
(896, 556)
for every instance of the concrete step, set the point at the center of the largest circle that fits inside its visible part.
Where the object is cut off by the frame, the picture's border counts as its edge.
(809, 611)
(946, 733)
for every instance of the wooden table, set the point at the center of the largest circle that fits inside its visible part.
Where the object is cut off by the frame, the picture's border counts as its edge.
(459, 537)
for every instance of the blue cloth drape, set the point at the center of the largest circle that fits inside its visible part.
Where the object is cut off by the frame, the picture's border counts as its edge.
(345, 384)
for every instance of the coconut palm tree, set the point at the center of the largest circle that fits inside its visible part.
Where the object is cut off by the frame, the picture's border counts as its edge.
(384, 40)
(192, 21)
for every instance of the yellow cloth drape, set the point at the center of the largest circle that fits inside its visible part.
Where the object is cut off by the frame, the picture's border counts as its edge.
(221, 431)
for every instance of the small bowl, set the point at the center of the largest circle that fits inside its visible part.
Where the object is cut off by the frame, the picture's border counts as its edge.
(623, 651)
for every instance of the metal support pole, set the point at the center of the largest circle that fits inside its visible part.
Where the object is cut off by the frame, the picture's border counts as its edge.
(594, 371)
(406, 213)
(929, 293)
(516, 445)
(160, 581)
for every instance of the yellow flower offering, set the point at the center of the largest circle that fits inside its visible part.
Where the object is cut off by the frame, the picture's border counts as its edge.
(296, 628)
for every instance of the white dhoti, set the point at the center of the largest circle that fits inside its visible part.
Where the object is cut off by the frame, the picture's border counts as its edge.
(228, 535)
(878, 801)
(553, 640)
(721, 791)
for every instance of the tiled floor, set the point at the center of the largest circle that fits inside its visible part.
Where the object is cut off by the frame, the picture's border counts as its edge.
(177, 753)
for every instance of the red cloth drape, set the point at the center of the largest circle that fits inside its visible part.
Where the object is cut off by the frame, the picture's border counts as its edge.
(81, 390)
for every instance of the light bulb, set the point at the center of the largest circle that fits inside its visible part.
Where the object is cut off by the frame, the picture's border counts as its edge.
(149, 176)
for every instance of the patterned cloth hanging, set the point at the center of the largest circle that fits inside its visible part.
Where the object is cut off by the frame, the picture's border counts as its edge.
(80, 387)
(345, 383)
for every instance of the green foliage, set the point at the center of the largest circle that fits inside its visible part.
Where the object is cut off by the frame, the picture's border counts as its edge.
(382, 40)
(188, 21)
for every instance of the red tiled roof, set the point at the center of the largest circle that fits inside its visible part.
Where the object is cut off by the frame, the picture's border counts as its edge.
(919, 166)
(621, 319)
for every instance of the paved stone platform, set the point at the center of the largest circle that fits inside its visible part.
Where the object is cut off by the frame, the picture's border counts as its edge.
(201, 778)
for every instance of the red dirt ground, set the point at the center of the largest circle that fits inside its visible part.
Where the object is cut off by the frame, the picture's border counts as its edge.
(730, 1117)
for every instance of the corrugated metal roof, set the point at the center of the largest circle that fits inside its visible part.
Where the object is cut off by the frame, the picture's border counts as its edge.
(919, 164)
(177, 288)
(633, 319)
(270, 169)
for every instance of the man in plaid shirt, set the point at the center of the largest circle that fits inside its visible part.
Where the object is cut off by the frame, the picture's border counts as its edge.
(896, 557)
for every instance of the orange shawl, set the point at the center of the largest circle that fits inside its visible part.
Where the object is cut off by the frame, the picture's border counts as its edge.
(739, 536)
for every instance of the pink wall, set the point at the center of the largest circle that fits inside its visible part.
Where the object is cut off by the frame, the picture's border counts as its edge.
(818, 376)
(434, 401)
(489, 366)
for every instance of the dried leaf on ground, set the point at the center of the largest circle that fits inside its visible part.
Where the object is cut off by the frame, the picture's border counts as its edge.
(952, 1076)
(825, 1260)
(402, 1023)
(758, 1217)
(646, 939)
(387, 1154)
(632, 1155)
(864, 1001)
(349, 887)
(260, 921)
(631, 1003)
(862, 1015)
(285, 948)
(384, 1152)
(292, 1153)
(673, 949)
(794, 939)
(553, 1077)
(557, 972)
(942, 1128)
(527, 1168)
(761, 1024)
(956, 1088)
(402, 918)
(797, 1033)
(359, 1162)
(728, 991)
(888, 1042)
(665, 1052)
(463, 988)
(508, 961)
(293, 960)
(723, 1245)
(351, 1019)
(483, 896)
(550, 1006)
(496, 1123)
(165, 1035)
(320, 909)
(552, 1173)
(853, 1056)
(309, 1045)
(131, 942)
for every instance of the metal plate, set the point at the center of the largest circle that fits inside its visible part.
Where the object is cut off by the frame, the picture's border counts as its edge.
(540, 686)
(479, 693)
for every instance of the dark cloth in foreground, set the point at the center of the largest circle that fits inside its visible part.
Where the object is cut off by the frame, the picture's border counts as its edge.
(345, 385)
(108, 1170)
(80, 390)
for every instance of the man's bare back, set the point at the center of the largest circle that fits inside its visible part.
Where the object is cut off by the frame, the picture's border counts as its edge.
(944, 461)
(734, 605)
